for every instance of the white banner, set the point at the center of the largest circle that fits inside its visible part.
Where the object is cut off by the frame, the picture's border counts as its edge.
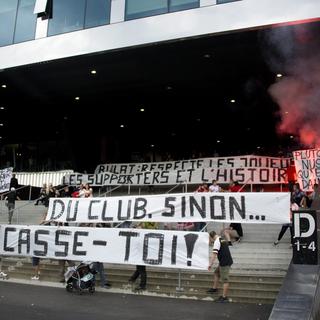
(5, 177)
(191, 176)
(259, 207)
(169, 249)
(307, 163)
(245, 169)
(248, 161)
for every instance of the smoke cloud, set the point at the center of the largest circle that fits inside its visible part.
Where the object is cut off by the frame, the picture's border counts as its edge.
(295, 52)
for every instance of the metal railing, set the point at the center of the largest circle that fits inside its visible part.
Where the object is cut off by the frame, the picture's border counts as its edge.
(16, 209)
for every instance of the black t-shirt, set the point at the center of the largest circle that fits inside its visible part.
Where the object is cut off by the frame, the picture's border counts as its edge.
(221, 248)
(237, 227)
(14, 183)
(11, 197)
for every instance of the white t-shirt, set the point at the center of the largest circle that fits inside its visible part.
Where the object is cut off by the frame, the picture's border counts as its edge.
(214, 188)
(216, 245)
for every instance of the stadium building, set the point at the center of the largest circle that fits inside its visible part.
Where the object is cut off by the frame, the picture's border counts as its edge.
(92, 81)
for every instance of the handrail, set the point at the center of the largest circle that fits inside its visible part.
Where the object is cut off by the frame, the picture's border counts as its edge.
(174, 187)
(244, 185)
(29, 201)
(109, 191)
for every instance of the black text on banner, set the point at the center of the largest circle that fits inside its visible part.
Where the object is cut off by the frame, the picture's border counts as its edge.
(226, 207)
(170, 249)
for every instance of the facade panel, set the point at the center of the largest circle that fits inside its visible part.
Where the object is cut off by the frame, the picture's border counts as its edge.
(67, 15)
(226, 1)
(8, 12)
(177, 5)
(144, 8)
(26, 21)
(97, 13)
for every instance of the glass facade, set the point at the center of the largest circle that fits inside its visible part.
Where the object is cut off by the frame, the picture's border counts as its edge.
(144, 8)
(177, 5)
(67, 15)
(18, 22)
(225, 1)
(26, 21)
(72, 15)
(8, 12)
(97, 13)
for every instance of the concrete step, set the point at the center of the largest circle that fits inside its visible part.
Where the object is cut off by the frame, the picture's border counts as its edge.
(25, 213)
(244, 287)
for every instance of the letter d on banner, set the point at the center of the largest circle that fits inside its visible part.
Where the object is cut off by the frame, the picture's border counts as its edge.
(298, 233)
(305, 240)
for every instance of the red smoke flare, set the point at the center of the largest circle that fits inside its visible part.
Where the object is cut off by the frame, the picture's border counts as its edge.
(298, 96)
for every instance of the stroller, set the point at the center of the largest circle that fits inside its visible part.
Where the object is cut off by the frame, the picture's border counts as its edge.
(80, 278)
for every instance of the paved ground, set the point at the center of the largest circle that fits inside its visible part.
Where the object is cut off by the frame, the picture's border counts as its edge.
(30, 302)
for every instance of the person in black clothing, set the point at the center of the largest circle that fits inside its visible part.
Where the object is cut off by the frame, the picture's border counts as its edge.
(233, 233)
(14, 182)
(42, 196)
(11, 200)
(65, 193)
(222, 252)
(140, 271)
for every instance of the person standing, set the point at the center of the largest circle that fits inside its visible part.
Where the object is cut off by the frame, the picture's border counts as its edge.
(36, 267)
(234, 186)
(233, 233)
(14, 182)
(284, 228)
(203, 187)
(214, 187)
(222, 252)
(141, 270)
(98, 267)
(11, 201)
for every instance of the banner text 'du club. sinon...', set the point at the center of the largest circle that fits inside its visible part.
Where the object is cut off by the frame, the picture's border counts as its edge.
(255, 207)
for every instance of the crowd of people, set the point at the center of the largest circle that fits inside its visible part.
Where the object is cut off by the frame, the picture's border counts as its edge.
(299, 199)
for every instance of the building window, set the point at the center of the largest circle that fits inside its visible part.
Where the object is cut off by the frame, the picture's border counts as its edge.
(144, 8)
(72, 15)
(97, 13)
(67, 15)
(8, 12)
(177, 5)
(26, 21)
(225, 1)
